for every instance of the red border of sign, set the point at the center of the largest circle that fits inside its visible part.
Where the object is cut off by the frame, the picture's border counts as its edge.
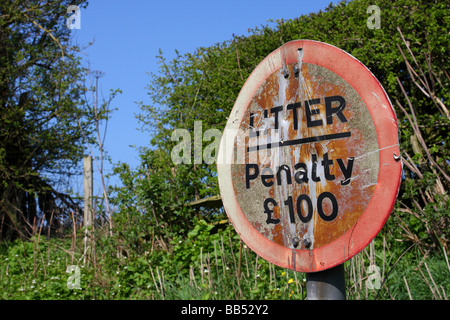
(389, 176)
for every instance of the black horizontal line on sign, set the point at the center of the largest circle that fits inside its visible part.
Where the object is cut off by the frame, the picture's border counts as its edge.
(300, 141)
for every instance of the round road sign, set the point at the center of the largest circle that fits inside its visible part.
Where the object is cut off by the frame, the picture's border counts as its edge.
(308, 164)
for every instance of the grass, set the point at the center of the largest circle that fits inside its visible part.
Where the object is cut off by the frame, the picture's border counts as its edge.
(218, 267)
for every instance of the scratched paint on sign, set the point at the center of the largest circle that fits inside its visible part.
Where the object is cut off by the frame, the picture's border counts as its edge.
(309, 169)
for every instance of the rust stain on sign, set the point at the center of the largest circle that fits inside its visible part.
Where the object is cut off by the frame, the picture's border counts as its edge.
(305, 131)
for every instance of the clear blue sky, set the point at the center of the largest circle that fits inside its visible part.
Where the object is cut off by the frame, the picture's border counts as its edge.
(129, 34)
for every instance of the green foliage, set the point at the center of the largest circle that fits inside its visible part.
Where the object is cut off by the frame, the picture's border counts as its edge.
(29, 272)
(209, 263)
(410, 48)
(154, 196)
(202, 266)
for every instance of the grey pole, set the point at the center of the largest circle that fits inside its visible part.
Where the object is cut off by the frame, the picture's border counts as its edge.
(326, 285)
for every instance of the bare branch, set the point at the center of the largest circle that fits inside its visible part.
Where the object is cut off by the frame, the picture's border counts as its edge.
(418, 134)
(425, 88)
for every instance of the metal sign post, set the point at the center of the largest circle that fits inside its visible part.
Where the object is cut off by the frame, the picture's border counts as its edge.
(308, 164)
(326, 285)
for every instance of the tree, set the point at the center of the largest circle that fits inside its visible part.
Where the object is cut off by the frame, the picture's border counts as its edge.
(43, 116)
(408, 54)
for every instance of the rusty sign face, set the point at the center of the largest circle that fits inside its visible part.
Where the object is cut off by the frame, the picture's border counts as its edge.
(309, 164)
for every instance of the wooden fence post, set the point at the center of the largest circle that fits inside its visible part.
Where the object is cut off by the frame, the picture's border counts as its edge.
(88, 203)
